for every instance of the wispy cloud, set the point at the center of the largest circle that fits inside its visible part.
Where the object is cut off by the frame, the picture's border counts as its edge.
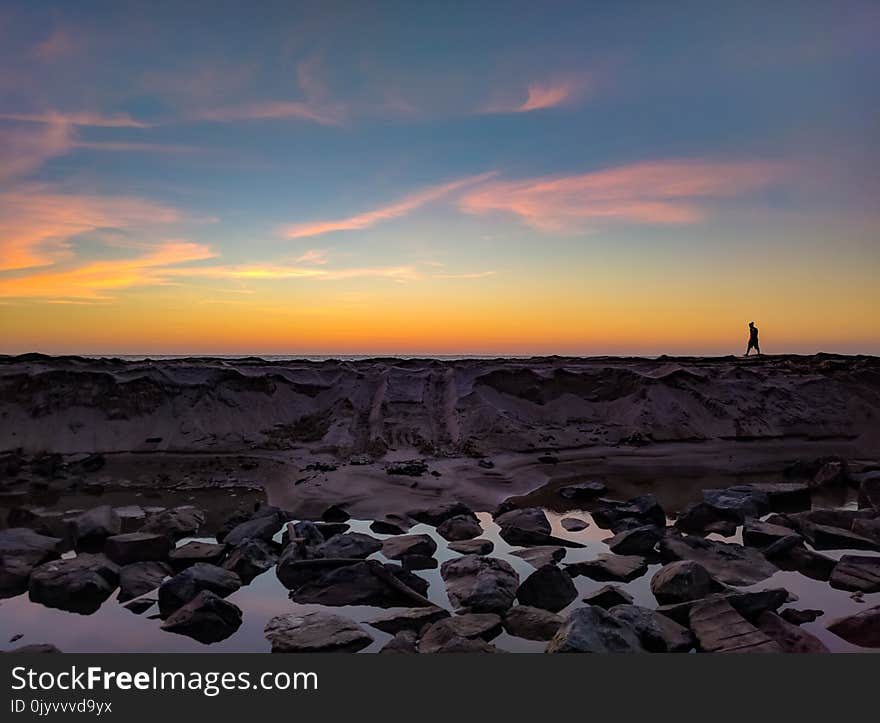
(268, 272)
(313, 256)
(543, 95)
(273, 110)
(60, 43)
(22, 151)
(399, 208)
(85, 119)
(661, 192)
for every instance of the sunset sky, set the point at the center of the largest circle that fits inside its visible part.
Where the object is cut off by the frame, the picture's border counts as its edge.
(446, 178)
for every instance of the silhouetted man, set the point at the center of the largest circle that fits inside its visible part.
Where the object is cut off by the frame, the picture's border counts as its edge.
(753, 339)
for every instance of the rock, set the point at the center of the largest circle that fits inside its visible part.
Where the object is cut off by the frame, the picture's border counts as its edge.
(335, 513)
(458, 644)
(79, 584)
(790, 638)
(260, 528)
(548, 588)
(418, 562)
(681, 581)
(35, 648)
(523, 621)
(573, 524)
(799, 617)
(637, 541)
(582, 490)
(747, 604)
(529, 519)
(698, 517)
(869, 493)
(789, 553)
(657, 633)
(176, 523)
(206, 618)
(131, 517)
(295, 567)
(141, 605)
(786, 496)
(92, 527)
(350, 544)
(594, 630)
(331, 529)
(472, 547)
(193, 552)
(315, 632)
(728, 563)
(867, 528)
(363, 583)
(437, 637)
(406, 641)
(860, 629)
(608, 596)
(610, 567)
(139, 578)
(392, 525)
(305, 534)
(460, 528)
(825, 537)
(480, 584)
(857, 572)
(251, 558)
(721, 629)
(409, 468)
(409, 619)
(51, 523)
(743, 501)
(184, 586)
(541, 555)
(132, 547)
(394, 548)
(438, 514)
(832, 472)
(21, 550)
(638, 511)
(763, 534)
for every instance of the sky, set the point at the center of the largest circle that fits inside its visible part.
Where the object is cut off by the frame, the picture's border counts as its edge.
(439, 178)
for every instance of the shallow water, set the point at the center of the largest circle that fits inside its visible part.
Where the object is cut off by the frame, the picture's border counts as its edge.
(113, 628)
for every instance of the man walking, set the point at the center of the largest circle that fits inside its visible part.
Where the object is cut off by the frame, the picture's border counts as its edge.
(753, 339)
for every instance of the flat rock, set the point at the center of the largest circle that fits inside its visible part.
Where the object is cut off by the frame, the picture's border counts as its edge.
(21, 550)
(261, 528)
(594, 630)
(139, 578)
(748, 604)
(315, 632)
(480, 584)
(611, 567)
(860, 629)
(799, 617)
(176, 522)
(790, 638)
(637, 541)
(789, 553)
(657, 633)
(682, 581)
(93, 526)
(763, 534)
(867, 528)
(350, 544)
(461, 527)
(409, 619)
(744, 501)
(35, 648)
(638, 511)
(193, 552)
(394, 548)
(184, 586)
(608, 596)
(721, 629)
(701, 517)
(548, 587)
(582, 490)
(438, 514)
(131, 517)
(524, 621)
(251, 558)
(729, 563)
(574, 524)
(541, 555)
(406, 641)
(825, 537)
(207, 618)
(786, 496)
(392, 524)
(472, 547)
(363, 583)
(857, 572)
(141, 605)
(528, 519)
(79, 584)
(132, 547)
(473, 626)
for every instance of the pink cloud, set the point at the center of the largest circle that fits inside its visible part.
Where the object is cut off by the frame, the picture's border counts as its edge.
(274, 110)
(394, 210)
(548, 94)
(661, 192)
(94, 120)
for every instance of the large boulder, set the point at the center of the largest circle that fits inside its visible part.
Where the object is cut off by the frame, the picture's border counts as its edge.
(262, 527)
(392, 524)
(206, 618)
(140, 578)
(251, 558)
(548, 587)
(195, 551)
(92, 527)
(702, 518)
(857, 572)
(79, 584)
(786, 496)
(177, 522)
(594, 630)
(363, 583)
(132, 547)
(727, 562)
(860, 629)
(681, 581)
(395, 548)
(790, 638)
(315, 632)
(639, 511)
(721, 629)
(349, 544)
(657, 633)
(541, 555)
(763, 534)
(474, 626)
(21, 550)
(480, 584)
(460, 527)
(637, 541)
(609, 567)
(523, 621)
(743, 501)
(184, 586)
(790, 553)
(413, 619)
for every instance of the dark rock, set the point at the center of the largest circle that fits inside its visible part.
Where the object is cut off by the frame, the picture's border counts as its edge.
(472, 547)
(362, 583)
(260, 528)
(867, 528)
(857, 572)
(408, 468)
(610, 567)
(548, 588)
(206, 618)
(459, 528)
(305, 534)
(176, 523)
(763, 534)
(832, 472)
(869, 493)
(251, 558)
(21, 550)
(395, 548)
(860, 629)
(799, 617)
(140, 578)
(331, 529)
(79, 584)
(824, 537)
(184, 586)
(350, 544)
(743, 501)
(786, 496)
(541, 555)
(392, 525)
(594, 630)
(637, 541)
(681, 581)
(141, 605)
(193, 552)
(699, 517)
(728, 563)
(137, 547)
(335, 513)
(790, 638)
(480, 584)
(582, 490)
(637, 512)
(656, 632)
(418, 562)
(52, 523)
(437, 637)
(747, 604)
(573, 524)
(440, 513)
(406, 641)
(523, 621)
(297, 565)
(315, 632)
(410, 619)
(529, 519)
(789, 553)
(35, 648)
(608, 596)
(92, 527)
(721, 629)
